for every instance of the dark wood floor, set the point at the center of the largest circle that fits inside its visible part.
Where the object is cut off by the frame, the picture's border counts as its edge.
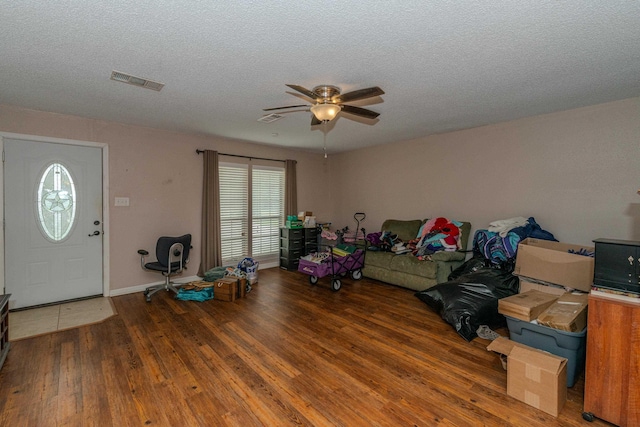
(288, 354)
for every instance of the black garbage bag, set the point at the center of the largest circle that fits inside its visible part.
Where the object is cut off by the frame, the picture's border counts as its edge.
(471, 299)
(478, 262)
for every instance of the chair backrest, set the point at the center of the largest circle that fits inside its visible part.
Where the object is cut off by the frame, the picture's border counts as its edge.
(164, 245)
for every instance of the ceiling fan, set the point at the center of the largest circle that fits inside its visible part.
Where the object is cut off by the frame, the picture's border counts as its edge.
(328, 102)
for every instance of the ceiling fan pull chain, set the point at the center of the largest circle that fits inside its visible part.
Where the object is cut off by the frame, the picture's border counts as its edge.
(324, 132)
(325, 145)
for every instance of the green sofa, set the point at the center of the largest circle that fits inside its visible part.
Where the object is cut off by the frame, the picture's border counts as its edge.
(408, 271)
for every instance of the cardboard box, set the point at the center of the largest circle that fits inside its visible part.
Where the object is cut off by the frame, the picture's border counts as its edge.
(551, 262)
(225, 289)
(568, 313)
(309, 222)
(303, 214)
(526, 306)
(570, 345)
(534, 377)
(528, 285)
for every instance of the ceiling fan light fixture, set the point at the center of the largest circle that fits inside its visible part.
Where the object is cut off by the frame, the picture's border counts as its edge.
(325, 112)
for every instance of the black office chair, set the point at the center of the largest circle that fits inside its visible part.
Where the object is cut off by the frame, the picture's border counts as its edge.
(172, 255)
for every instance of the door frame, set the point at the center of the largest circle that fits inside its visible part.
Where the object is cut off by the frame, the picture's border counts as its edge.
(105, 199)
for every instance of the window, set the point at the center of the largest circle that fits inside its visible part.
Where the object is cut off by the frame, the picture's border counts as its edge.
(267, 213)
(56, 202)
(234, 206)
(251, 211)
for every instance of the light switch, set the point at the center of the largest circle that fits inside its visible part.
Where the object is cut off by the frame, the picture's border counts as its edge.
(122, 201)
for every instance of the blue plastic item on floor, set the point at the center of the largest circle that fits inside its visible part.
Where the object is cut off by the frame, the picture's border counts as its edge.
(195, 294)
(571, 345)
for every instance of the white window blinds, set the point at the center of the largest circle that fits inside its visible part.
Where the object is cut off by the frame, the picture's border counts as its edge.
(267, 197)
(251, 211)
(234, 205)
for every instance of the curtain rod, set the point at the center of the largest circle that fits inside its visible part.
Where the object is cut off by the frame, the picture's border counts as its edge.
(244, 157)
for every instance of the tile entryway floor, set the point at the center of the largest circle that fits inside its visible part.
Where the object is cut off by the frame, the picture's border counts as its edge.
(43, 320)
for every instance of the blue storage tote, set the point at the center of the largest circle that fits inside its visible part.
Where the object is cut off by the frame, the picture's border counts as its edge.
(570, 345)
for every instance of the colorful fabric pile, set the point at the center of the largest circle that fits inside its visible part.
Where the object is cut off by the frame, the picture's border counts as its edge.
(499, 243)
(437, 234)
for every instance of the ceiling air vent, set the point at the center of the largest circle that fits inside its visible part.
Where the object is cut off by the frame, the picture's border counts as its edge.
(136, 81)
(270, 118)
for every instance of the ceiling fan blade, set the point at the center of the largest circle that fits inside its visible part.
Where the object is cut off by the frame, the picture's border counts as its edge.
(359, 94)
(314, 120)
(280, 108)
(304, 91)
(358, 111)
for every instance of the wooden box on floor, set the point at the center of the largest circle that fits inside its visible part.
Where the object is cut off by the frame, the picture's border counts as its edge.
(225, 289)
(242, 288)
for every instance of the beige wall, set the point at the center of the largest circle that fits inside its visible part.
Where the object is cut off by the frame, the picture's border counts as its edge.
(161, 174)
(576, 172)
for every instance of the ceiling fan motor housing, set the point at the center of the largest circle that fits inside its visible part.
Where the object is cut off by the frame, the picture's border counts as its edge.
(326, 92)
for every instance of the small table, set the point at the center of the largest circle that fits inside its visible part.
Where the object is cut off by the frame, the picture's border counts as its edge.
(612, 377)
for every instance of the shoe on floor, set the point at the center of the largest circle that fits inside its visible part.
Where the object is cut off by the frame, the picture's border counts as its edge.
(486, 333)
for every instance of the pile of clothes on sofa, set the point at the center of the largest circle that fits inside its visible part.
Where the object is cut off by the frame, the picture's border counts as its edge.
(437, 234)
(469, 300)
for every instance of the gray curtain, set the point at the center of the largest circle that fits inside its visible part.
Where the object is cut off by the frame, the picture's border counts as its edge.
(210, 253)
(291, 188)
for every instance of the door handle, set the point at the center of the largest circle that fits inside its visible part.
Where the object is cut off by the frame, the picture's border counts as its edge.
(95, 233)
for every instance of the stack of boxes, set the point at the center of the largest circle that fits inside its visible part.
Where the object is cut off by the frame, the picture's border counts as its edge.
(303, 219)
(293, 222)
(547, 322)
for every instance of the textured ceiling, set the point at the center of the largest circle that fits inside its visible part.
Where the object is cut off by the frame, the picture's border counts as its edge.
(444, 65)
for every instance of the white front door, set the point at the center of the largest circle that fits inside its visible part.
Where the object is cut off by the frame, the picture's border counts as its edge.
(53, 222)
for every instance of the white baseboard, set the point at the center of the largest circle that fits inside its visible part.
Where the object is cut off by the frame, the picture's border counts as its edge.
(268, 265)
(141, 288)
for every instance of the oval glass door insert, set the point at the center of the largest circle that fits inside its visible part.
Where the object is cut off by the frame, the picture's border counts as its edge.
(56, 203)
